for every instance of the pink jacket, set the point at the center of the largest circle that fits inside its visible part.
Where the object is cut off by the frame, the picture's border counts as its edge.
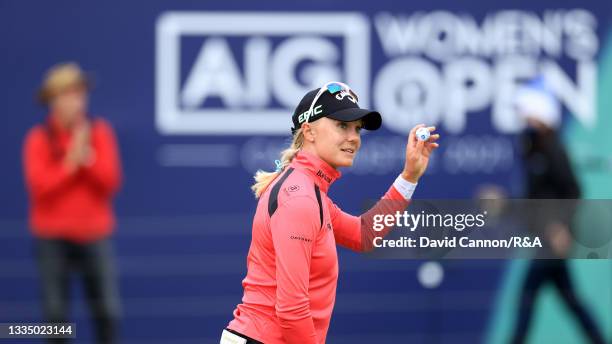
(292, 265)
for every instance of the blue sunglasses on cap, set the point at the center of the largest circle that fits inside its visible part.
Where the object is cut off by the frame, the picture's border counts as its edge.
(332, 87)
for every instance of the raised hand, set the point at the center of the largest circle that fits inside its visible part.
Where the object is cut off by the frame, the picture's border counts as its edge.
(418, 153)
(79, 151)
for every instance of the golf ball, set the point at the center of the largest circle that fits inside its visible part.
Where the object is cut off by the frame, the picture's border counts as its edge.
(422, 134)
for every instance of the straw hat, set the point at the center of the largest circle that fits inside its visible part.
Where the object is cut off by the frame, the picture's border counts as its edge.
(60, 78)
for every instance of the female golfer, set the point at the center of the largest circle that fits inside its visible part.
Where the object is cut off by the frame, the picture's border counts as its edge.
(290, 286)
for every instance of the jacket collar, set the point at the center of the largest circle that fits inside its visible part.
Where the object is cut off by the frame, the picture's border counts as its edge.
(320, 172)
(54, 125)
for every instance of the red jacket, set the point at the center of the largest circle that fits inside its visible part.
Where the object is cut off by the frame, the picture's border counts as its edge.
(73, 206)
(292, 266)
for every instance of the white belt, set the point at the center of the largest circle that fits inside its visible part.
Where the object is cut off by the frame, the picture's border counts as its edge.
(229, 338)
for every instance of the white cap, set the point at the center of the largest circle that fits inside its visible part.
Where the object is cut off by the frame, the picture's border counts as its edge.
(535, 100)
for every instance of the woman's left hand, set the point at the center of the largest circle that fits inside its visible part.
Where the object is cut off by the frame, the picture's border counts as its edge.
(418, 153)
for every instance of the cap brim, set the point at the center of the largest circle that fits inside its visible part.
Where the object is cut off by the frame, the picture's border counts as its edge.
(371, 119)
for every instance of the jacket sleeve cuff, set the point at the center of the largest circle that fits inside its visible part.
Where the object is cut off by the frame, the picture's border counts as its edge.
(404, 187)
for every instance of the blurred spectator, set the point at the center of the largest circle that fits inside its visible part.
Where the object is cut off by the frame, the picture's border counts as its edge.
(72, 171)
(549, 177)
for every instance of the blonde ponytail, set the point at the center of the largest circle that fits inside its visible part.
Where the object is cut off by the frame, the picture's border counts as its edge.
(263, 178)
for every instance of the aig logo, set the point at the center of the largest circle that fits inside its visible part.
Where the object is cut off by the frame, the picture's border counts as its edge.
(243, 73)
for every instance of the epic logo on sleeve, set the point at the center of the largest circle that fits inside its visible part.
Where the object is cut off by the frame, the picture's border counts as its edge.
(243, 73)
